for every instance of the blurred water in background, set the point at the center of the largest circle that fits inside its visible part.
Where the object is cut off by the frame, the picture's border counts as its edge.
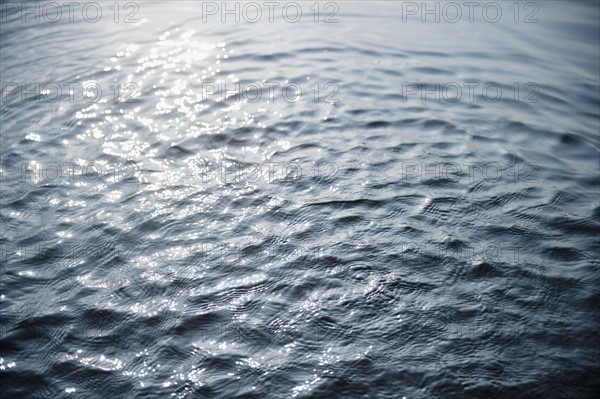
(357, 201)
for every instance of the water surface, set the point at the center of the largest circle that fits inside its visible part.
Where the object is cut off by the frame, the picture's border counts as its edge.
(373, 234)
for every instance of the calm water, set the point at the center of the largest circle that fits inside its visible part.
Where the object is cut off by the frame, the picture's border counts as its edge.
(377, 207)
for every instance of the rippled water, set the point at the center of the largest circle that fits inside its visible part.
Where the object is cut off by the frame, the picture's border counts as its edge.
(361, 233)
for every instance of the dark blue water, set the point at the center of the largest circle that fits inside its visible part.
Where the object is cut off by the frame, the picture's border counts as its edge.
(412, 212)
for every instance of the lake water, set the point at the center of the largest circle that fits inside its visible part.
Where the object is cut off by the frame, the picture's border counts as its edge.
(335, 199)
